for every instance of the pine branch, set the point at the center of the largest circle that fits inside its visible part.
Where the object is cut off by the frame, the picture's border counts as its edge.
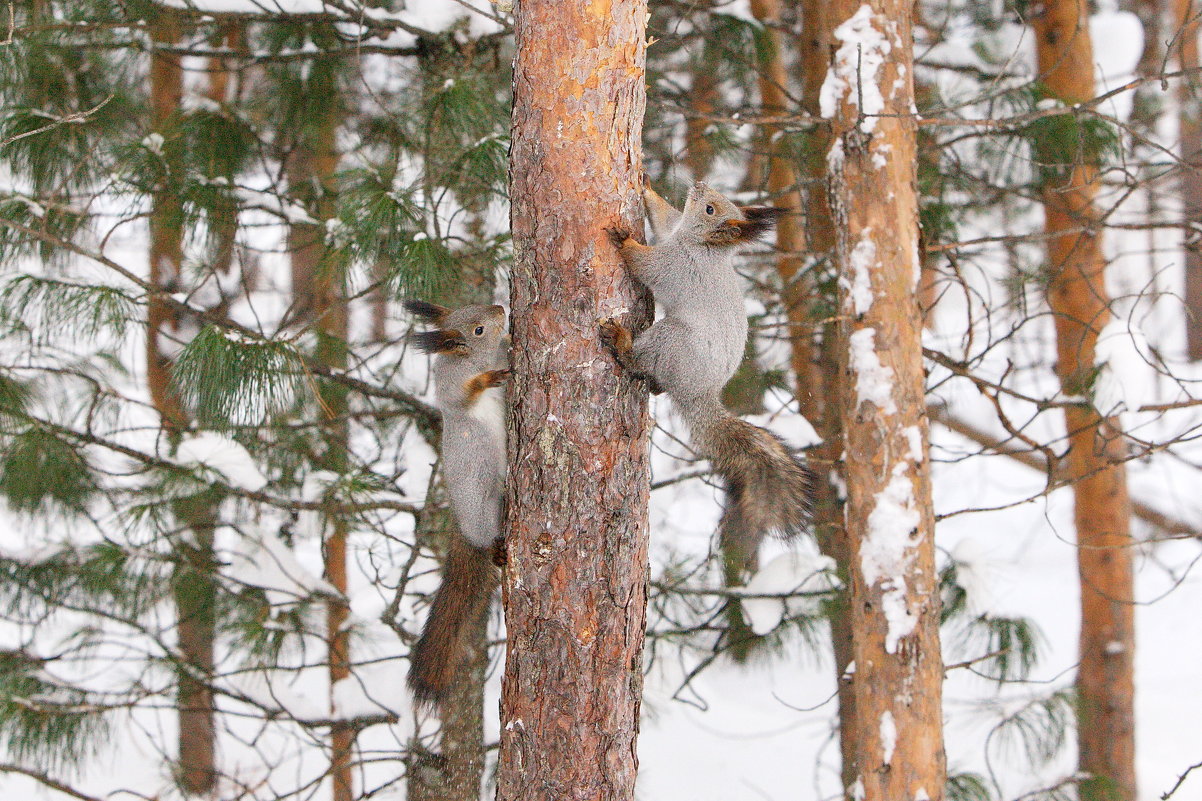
(426, 417)
(53, 784)
(1150, 515)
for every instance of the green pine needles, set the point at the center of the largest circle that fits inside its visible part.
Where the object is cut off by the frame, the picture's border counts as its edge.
(226, 378)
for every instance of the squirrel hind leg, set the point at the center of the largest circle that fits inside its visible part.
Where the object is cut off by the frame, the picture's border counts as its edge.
(620, 342)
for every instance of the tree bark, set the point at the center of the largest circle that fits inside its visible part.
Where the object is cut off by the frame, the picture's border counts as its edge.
(319, 300)
(192, 584)
(575, 588)
(897, 683)
(1102, 510)
(815, 361)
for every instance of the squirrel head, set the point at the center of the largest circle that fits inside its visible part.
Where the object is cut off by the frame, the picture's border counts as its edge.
(720, 223)
(468, 331)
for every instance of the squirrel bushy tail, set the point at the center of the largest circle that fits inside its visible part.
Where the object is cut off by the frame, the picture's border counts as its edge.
(768, 489)
(467, 585)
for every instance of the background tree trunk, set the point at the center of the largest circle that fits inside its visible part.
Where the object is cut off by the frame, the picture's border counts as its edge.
(894, 587)
(192, 583)
(319, 300)
(1077, 296)
(816, 362)
(575, 588)
(1190, 135)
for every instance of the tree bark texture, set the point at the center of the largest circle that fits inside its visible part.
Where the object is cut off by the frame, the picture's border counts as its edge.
(193, 589)
(894, 601)
(1102, 508)
(816, 360)
(575, 588)
(319, 300)
(1190, 133)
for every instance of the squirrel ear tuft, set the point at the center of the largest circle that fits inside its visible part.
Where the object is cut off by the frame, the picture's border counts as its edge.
(429, 312)
(760, 220)
(443, 341)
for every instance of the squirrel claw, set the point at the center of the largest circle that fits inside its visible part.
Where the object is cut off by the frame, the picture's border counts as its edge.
(611, 329)
(500, 557)
(617, 236)
(498, 377)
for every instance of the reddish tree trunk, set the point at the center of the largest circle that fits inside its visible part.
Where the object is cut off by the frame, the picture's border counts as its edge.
(1102, 509)
(816, 362)
(192, 584)
(894, 613)
(575, 588)
(319, 300)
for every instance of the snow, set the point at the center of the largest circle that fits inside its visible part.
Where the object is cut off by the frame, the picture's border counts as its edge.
(874, 381)
(371, 690)
(888, 733)
(796, 571)
(862, 262)
(976, 574)
(854, 72)
(1126, 378)
(225, 457)
(888, 550)
(264, 690)
(261, 559)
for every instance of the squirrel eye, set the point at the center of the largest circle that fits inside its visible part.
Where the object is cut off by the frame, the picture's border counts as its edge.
(479, 330)
(709, 209)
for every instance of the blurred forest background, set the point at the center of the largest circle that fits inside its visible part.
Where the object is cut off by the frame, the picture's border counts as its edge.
(221, 516)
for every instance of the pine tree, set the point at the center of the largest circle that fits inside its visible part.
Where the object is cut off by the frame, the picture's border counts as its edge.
(894, 604)
(575, 584)
(1102, 512)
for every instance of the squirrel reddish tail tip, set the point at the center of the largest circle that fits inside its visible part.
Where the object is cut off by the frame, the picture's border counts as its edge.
(464, 595)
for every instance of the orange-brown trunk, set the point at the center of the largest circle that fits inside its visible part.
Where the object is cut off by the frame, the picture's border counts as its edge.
(894, 607)
(575, 585)
(1077, 296)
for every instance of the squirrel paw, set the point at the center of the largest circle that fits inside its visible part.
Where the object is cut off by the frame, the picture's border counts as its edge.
(495, 378)
(500, 557)
(617, 236)
(615, 336)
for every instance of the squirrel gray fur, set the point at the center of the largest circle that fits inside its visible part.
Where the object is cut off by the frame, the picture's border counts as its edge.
(696, 346)
(471, 363)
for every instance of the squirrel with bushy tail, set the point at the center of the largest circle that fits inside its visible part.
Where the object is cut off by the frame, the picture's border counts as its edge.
(471, 364)
(696, 346)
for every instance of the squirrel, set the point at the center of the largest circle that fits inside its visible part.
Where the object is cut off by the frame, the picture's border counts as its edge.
(696, 346)
(471, 363)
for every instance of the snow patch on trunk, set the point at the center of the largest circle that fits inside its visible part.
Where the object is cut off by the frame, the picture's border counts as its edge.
(855, 70)
(874, 381)
(862, 262)
(888, 550)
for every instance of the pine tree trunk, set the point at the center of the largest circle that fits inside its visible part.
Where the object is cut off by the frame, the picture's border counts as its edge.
(1190, 133)
(1077, 296)
(703, 100)
(894, 612)
(224, 224)
(575, 589)
(319, 299)
(820, 381)
(192, 584)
